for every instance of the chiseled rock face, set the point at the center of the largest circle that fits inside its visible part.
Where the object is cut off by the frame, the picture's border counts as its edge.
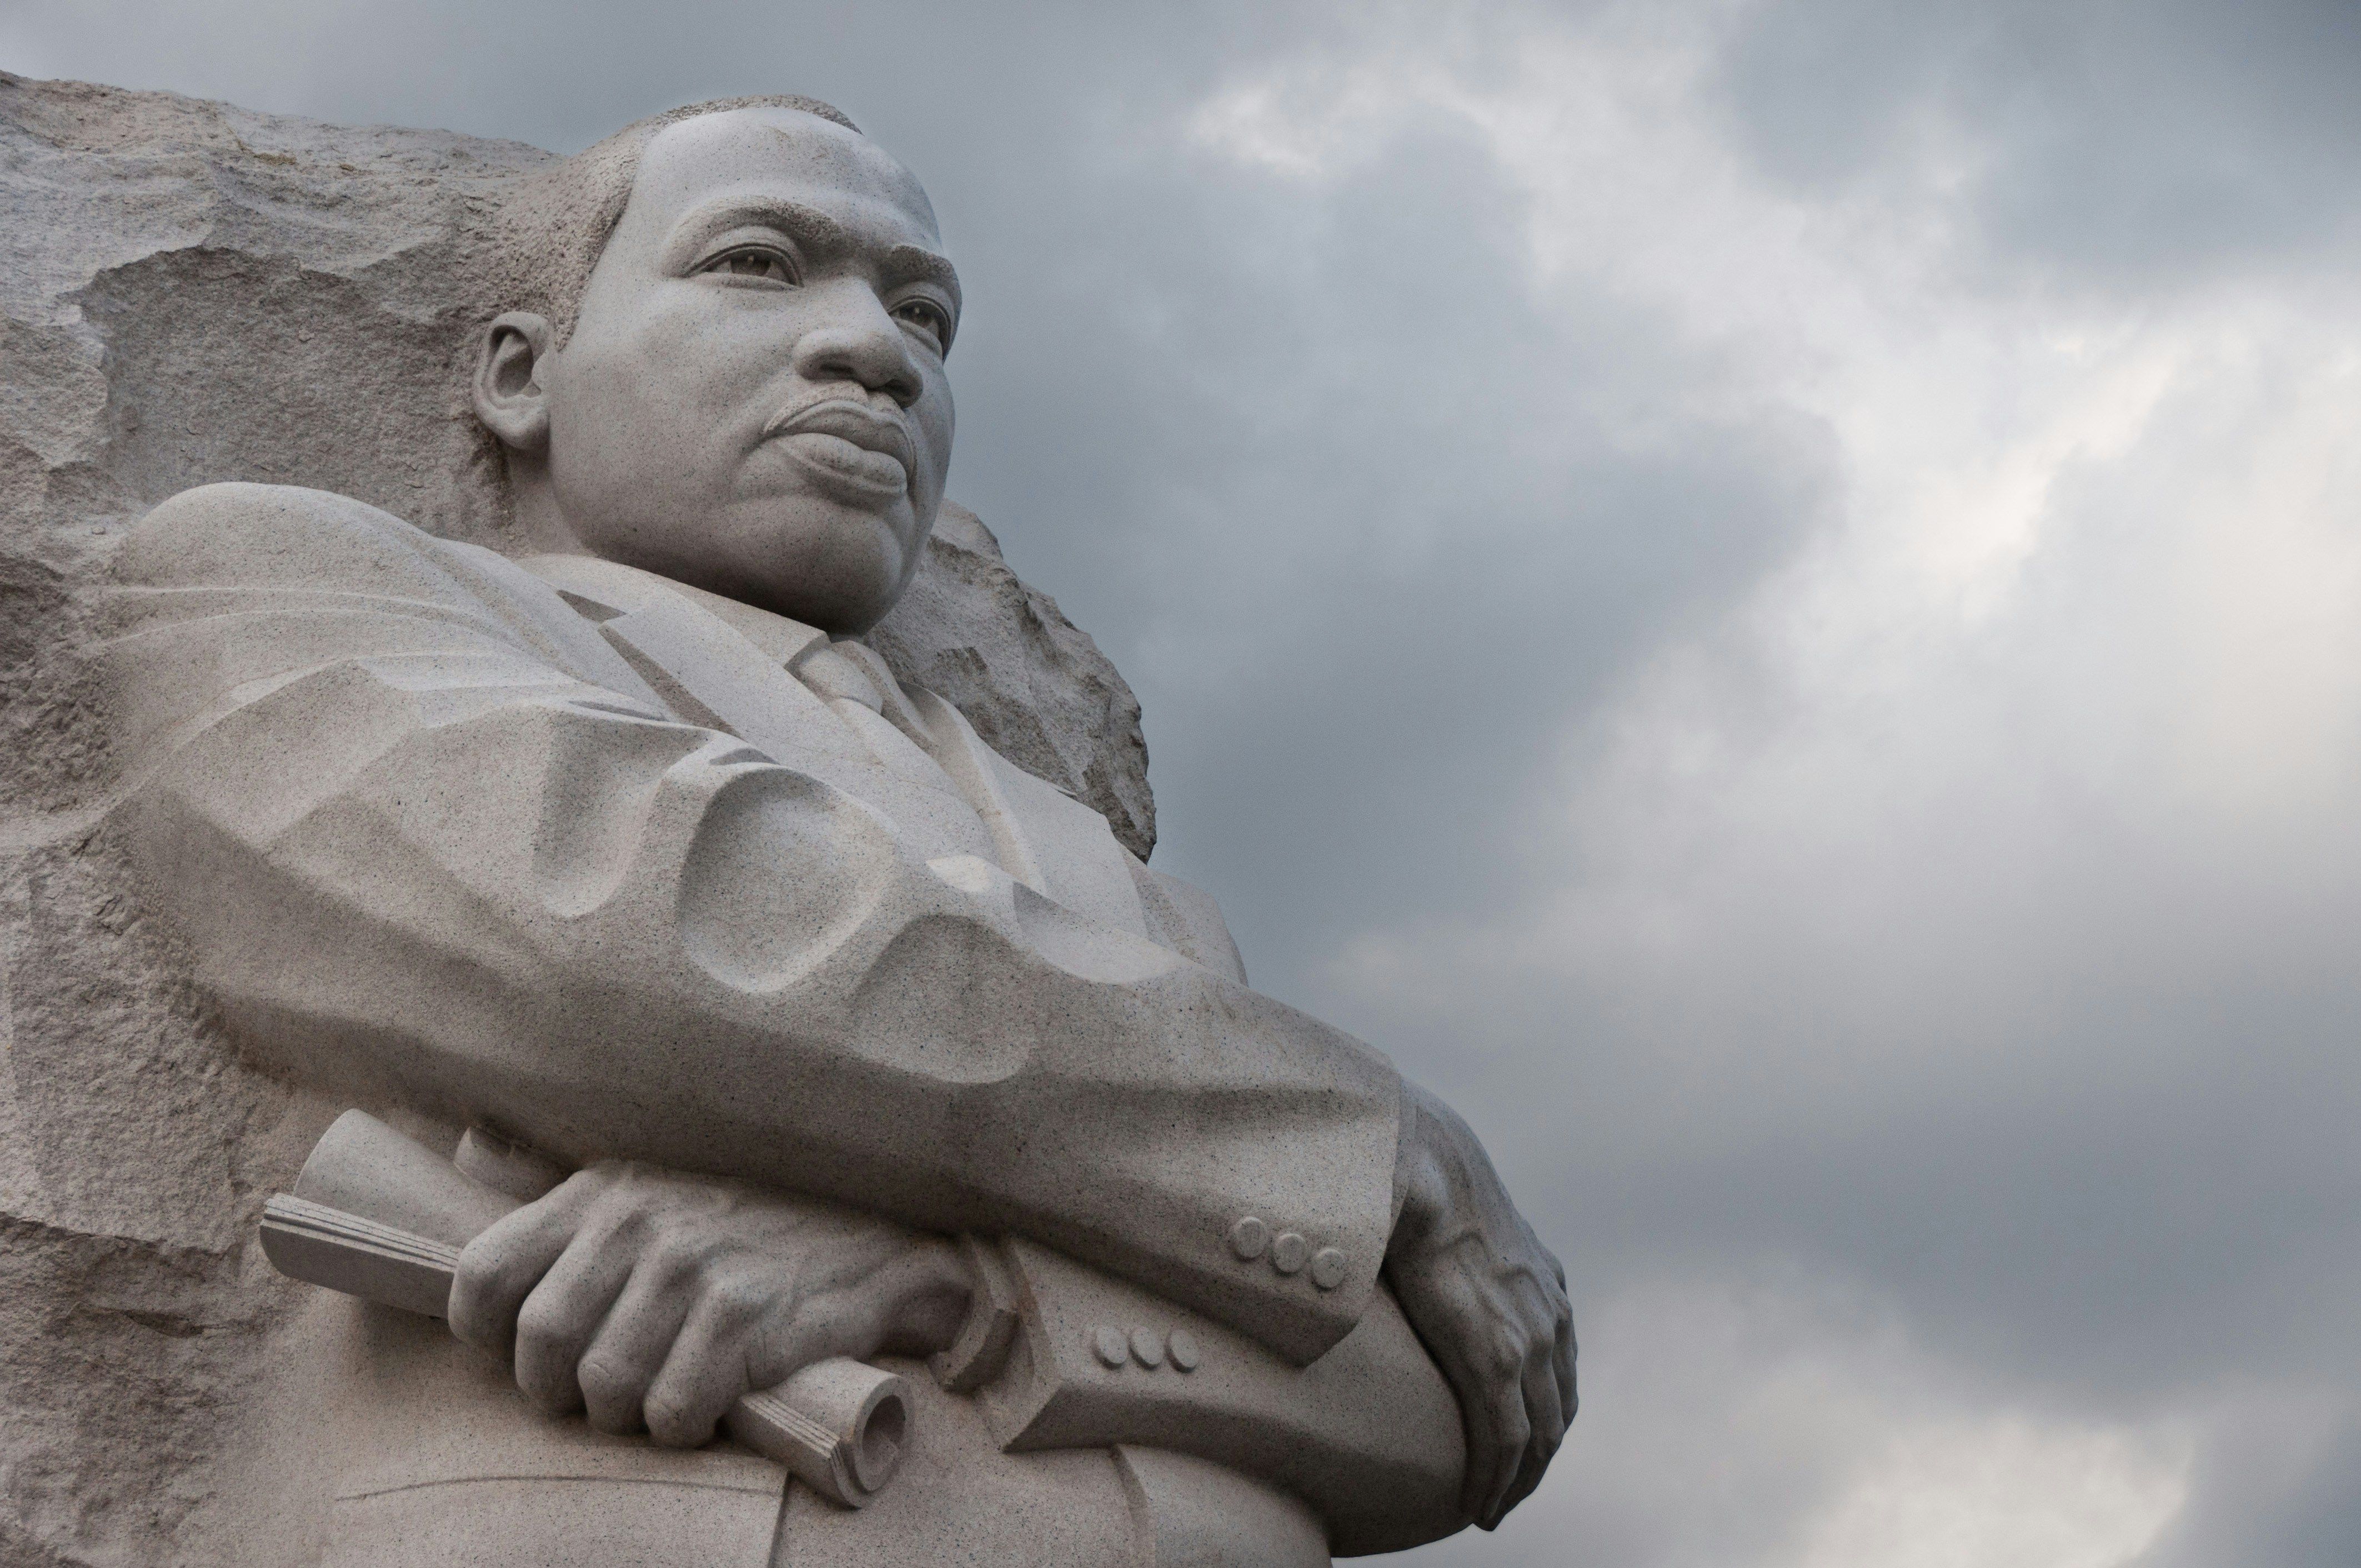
(1033, 684)
(191, 292)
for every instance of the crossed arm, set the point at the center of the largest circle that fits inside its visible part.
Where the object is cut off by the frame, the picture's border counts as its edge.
(431, 842)
(646, 1298)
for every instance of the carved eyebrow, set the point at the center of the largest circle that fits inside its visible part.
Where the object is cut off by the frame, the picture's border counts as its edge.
(914, 264)
(812, 227)
(808, 225)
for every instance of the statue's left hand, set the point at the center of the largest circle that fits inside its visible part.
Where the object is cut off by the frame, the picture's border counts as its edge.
(1488, 1299)
(647, 1296)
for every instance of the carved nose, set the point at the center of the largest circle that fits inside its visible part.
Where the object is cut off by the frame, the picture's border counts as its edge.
(867, 347)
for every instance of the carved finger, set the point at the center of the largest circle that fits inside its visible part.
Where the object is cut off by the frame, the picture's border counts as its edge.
(562, 1316)
(629, 1350)
(1511, 1429)
(499, 1269)
(1452, 1322)
(1488, 1464)
(1545, 1416)
(706, 1369)
(1562, 1358)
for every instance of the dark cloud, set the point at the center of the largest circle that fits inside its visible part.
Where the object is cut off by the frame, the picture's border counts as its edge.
(2124, 143)
(1362, 537)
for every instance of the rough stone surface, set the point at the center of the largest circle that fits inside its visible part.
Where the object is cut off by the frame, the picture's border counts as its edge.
(568, 839)
(190, 293)
(1034, 687)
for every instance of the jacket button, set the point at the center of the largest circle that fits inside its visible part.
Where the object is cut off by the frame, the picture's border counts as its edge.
(1113, 1349)
(1147, 1348)
(1328, 1269)
(1288, 1252)
(1248, 1238)
(1185, 1355)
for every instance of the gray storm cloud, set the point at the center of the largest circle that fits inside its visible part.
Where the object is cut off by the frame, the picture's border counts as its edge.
(1765, 595)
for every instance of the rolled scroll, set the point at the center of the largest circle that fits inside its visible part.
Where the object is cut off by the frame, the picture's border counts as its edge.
(378, 1216)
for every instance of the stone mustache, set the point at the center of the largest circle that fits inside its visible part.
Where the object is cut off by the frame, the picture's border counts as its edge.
(621, 850)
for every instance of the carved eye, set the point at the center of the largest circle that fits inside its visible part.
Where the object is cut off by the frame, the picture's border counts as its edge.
(752, 261)
(927, 317)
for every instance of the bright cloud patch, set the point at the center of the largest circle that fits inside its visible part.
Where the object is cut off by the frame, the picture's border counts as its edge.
(2000, 1494)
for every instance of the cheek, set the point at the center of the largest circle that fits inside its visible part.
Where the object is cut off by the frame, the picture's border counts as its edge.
(687, 372)
(679, 371)
(938, 420)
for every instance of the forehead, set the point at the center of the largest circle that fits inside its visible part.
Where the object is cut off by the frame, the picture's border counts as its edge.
(783, 154)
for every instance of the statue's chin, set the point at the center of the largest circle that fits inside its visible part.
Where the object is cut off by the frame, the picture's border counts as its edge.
(841, 579)
(828, 565)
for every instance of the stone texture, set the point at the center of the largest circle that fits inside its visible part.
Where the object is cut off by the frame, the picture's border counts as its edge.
(563, 820)
(192, 291)
(189, 291)
(1035, 685)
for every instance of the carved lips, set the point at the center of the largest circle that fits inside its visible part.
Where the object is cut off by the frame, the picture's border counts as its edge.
(854, 452)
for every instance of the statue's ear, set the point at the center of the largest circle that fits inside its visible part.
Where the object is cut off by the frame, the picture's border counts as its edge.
(508, 398)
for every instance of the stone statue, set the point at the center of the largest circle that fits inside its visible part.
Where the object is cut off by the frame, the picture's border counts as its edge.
(796, 1022)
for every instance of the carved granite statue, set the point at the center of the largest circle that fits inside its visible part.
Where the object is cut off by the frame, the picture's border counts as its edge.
(622, 853)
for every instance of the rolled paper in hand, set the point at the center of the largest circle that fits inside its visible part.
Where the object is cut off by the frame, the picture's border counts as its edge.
(839, 1425)
(377, 1215)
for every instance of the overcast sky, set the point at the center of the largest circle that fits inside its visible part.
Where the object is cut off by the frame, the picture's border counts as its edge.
(1764, 594)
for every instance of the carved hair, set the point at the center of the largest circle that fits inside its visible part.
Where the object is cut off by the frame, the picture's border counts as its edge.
(553, 225)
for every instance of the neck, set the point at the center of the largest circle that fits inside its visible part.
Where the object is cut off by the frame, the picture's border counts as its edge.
(541, 519)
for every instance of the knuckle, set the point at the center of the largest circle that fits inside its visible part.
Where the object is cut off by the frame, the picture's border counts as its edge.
(604, 1379)
(676, 1254)
(625, 1222)
(544, 1323)
(467, 1306)
(737, 1300)
(671, 1426)
(480, 1261)
(485, 1276)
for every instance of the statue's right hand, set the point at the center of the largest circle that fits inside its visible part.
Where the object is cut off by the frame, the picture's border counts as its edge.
(651, 1297)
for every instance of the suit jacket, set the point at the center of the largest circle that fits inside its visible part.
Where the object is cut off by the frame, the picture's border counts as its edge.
(626, 869)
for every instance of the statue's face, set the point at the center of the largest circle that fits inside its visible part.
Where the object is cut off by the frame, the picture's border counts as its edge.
(753, 399)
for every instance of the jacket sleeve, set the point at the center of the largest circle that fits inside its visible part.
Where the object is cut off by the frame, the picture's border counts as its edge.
(431, 844)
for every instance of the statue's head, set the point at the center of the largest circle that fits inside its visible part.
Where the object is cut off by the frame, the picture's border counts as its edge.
(724, 362)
